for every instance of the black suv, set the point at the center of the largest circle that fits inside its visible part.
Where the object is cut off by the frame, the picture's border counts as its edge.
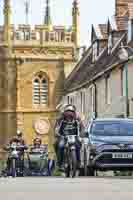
(110, 145)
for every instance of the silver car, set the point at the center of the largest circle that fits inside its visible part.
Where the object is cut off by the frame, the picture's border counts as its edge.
(110, 145)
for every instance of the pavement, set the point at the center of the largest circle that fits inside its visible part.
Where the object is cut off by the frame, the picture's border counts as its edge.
(98, 188)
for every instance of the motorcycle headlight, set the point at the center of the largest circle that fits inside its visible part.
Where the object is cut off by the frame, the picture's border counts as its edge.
(79, 139)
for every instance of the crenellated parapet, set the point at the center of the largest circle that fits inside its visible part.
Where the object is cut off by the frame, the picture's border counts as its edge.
(39, 33)
(43, 33)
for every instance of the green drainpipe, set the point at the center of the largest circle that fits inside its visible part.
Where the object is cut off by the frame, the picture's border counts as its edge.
(126, 90)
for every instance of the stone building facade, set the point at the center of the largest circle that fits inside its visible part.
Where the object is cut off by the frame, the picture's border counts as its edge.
(100, 84)
(34, 63)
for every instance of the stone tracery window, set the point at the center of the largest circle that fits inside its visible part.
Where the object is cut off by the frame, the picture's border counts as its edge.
(40, 90)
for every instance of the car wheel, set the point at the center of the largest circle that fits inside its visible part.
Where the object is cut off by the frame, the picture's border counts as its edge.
(91, 171)
(85, 163)
(81, 172)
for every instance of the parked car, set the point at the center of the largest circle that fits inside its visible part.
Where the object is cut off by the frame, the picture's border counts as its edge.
(110, 145)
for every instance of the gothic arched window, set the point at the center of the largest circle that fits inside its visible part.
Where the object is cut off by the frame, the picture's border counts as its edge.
(40, 90)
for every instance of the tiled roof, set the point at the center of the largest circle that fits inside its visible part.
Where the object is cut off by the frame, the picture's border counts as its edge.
(122, 22)
(88, 71)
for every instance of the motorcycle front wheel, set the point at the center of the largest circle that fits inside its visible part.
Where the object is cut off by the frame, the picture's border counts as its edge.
(14, 173)
(73, 163)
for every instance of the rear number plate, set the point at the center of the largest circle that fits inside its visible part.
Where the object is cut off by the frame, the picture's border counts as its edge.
(122, 155)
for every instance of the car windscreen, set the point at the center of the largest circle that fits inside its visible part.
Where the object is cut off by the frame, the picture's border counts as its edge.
(112, 128)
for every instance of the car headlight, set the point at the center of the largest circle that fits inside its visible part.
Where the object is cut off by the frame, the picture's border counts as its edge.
(91, 157)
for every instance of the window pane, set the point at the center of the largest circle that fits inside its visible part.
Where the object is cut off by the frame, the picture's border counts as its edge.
(36, 92)
(44, 92)
(112, 128)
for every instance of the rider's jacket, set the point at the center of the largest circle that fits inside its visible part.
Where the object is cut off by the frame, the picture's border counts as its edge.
(39, 149)
(36, 148)
(17, 141)
(69, 127)
(65, 126)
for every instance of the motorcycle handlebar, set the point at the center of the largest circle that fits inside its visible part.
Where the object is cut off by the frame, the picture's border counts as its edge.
(19, 147)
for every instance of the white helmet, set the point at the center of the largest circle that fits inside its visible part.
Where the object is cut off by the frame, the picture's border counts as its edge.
(19, 133)
(70, 108)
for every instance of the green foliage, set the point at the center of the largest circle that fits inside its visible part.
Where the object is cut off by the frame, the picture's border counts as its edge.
(123, 173)
(57, 171)
(2, 164)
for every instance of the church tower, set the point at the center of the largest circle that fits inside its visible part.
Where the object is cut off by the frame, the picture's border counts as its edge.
(7, 81)
(75, 23)
(34, 63)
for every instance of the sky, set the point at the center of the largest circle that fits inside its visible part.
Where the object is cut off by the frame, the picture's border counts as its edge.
(91, 12)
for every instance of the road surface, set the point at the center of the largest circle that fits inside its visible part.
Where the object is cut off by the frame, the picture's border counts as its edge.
(66, 189)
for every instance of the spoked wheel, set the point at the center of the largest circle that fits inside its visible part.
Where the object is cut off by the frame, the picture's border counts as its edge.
(67, 171)
(13, 170)
(73, 163)
(66, 163)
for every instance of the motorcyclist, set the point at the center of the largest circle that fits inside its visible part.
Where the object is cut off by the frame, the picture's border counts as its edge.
(68, 122)
(39, 154)
(18, 139)
(37, 142)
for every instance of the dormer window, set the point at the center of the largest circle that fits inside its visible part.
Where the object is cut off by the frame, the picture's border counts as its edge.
(110, 43)
(95, 51)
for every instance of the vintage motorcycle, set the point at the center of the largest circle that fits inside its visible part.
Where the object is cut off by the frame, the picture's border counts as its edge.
(15, 162)
(37, 163)
(70, 155)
